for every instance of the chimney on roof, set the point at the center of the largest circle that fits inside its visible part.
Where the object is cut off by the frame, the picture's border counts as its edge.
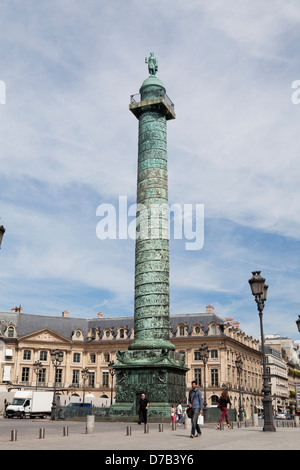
(99, 314)
(65, 314)
(17, 309)
(210, 309)
(234, 323)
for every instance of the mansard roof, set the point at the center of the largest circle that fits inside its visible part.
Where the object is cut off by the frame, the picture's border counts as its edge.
(65, 326)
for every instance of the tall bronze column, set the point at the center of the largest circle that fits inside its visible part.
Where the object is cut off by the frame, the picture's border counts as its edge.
(151, 310)
(151, 364)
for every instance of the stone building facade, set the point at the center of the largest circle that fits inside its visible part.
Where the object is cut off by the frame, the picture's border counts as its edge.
(93, 343)
(283, 367)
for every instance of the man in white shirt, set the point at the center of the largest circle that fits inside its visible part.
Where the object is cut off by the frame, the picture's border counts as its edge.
(179, 413)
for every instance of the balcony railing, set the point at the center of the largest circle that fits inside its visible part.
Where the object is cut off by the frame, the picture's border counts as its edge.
(155, 94)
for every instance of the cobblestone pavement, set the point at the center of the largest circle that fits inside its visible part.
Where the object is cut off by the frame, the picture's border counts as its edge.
(113, 436)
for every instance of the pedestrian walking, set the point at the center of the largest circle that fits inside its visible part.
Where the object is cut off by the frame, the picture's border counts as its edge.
(223, 402)
(173, 412)
(143, 409)
(6, 404)
(179, 413)
(196, 404)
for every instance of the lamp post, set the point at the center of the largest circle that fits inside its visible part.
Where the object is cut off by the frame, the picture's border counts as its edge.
(2, 232)
(204, 355)
(259, 290)
(298, 323)
(56, 358)
(239, 368)
(85, 375)
(112, 373)
(37, 366)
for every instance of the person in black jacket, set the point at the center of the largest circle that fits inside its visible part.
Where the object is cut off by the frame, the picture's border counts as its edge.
(143, 408)
(223, 402)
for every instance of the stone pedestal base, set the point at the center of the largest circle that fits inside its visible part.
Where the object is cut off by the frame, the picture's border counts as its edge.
(159, 373)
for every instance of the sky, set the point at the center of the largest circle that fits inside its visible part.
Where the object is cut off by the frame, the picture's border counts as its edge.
(68, 144)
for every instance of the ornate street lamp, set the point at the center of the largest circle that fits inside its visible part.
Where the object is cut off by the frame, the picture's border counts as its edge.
(85, 375)
(204, 355)
(239, 368)
(112, 373)
(259, 290)
(56, 358)
(37, 366)
(298, 323)
(2, 232)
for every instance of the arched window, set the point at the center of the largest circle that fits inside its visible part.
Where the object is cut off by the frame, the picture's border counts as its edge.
(213, 330)
(214, 399)
(11, 332)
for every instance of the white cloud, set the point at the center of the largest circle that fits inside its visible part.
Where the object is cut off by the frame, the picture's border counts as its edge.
(69, 142)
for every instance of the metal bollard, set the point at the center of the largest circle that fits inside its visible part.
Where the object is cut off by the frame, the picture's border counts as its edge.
(42, 433)
(161, 427)
(128, 431)
(65, 431)
(146, 429)
(13, 435)
(90, 423)
(173, 426)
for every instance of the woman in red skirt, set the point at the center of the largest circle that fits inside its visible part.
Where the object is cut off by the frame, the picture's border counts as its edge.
(223, 402)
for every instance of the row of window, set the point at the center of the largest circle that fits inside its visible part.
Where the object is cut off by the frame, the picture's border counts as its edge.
(214, 378)
(182, 330)
(76, 377)
(44, 355)
(212, 352)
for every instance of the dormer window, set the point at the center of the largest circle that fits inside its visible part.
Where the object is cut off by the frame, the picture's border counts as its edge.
(107, 334)
(197, 330)
(78, 335)
(214, 329)
(122, 332)
(11, 331)
(182, 330)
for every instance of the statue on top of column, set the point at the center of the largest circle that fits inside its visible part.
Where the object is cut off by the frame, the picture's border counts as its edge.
(152, 64)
